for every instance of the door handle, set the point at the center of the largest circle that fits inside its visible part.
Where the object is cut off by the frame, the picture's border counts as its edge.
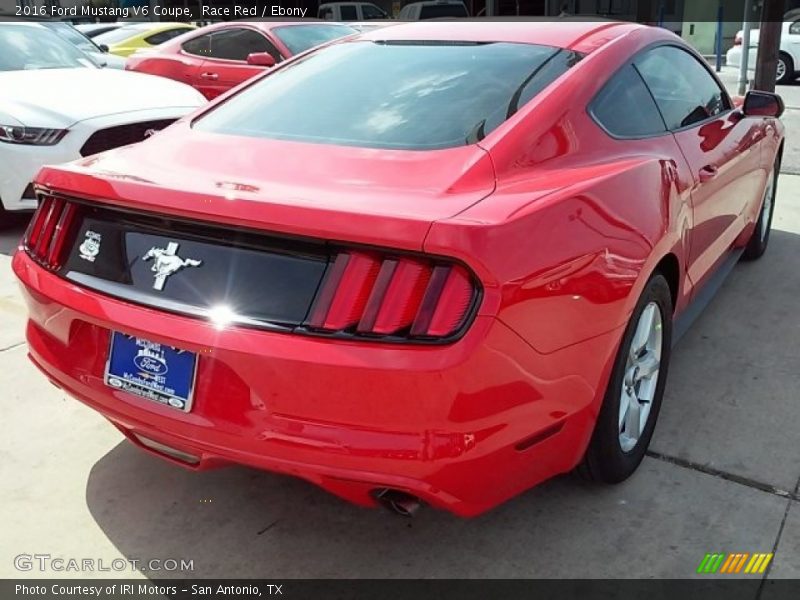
(708, 172)
(210, 76)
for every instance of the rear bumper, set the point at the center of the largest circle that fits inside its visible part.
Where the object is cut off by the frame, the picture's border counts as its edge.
(463, 426)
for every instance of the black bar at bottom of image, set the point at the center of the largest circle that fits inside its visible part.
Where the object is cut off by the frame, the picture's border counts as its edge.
(401, 589)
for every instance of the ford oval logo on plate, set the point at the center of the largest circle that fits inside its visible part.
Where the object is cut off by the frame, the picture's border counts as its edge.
(150, 362)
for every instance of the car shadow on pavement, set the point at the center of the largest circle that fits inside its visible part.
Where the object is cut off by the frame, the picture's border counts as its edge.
(11, 233)
(239, 522)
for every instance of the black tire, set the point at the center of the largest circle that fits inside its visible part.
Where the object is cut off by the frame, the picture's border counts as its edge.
(757, 244)
(6, 218)
(788, 72)
(605, 459)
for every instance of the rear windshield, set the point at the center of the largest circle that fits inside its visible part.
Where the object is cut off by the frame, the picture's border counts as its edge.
(299, 38)
(405, 95)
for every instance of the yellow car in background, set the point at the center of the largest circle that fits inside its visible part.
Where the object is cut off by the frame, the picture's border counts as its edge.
(127, 39)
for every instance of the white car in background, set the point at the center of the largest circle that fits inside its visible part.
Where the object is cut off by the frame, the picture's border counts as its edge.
(73, 35)
(788, 59)
(57, 105)
(351, 11)
(433, 9)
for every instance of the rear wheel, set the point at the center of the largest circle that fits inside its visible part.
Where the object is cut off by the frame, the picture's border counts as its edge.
(633, 397)
(785, 73)
(758, 242)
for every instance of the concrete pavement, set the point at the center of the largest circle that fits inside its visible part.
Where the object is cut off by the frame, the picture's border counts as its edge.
(723, 476)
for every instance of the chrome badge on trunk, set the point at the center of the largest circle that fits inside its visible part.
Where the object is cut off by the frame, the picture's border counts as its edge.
(166, 262)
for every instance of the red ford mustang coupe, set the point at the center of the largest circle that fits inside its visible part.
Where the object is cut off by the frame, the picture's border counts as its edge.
(440, 263)
(219, 57)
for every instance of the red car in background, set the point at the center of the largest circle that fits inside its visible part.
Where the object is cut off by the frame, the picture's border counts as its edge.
(218, 57)
(438, 261)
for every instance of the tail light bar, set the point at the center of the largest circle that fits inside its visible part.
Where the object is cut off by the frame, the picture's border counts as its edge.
(367, 294)
(51, 225)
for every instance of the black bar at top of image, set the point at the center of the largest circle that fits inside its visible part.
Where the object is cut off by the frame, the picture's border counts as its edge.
(673, 14)
(711, 588)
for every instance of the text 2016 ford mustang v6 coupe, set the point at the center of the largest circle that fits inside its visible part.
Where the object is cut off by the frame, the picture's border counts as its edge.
(439, 262)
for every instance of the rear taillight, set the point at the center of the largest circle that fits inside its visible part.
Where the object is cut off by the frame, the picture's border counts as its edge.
(407, 297)
(737, 41)
(49, 229)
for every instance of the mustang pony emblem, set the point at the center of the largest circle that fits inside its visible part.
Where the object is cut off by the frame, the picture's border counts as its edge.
(167, 262)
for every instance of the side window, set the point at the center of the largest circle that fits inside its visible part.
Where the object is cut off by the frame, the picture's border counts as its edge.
(348, 12)
(199, 46)
(684, 89)
(625, 108)
(272, 49)
(370, 11)
(326, 13)
(164, 36)
(173, 33)
(236, 44)
(794, 28)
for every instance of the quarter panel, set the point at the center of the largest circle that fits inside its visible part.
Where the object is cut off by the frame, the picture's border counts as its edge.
(569, 266)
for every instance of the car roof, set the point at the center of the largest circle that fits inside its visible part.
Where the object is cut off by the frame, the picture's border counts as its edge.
(581, 35)
(39, 24)
(267, 24)
(153, 25)
(92, 26)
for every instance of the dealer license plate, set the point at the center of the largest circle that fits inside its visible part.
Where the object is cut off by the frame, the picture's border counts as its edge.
(153, 371)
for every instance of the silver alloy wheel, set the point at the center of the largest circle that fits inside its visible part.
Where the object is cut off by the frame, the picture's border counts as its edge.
(769, 196)
(641, 376)
(781, 70)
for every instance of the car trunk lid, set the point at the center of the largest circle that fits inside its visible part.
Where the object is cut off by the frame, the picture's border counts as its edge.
(320, 191)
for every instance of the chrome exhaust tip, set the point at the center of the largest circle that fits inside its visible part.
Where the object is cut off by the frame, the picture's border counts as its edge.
(400, 503)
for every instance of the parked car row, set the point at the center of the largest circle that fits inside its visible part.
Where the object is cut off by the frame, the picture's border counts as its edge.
(89, 108)
(129, 38)
(86, 109)
(108, 44)
(414, 11)
(219, 57)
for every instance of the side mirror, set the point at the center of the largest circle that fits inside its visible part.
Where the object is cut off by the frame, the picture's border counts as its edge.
(762, 104)
(103, 48)
(261, 59)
